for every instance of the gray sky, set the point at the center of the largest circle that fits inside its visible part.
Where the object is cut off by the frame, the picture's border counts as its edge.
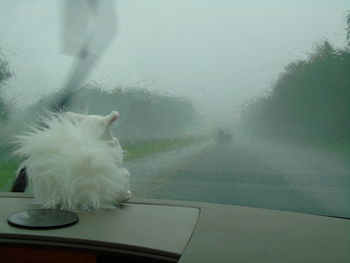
(218, 53)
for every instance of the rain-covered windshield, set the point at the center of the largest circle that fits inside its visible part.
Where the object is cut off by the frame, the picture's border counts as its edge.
(231, 102)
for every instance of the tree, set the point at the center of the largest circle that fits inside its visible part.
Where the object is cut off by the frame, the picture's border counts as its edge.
(5, 73)
(347, 28)
(309, 100)
(143, 113)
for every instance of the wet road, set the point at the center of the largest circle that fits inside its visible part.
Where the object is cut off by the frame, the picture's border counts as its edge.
(256, 174)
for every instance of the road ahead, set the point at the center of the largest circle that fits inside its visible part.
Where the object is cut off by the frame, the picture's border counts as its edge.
(256, 174)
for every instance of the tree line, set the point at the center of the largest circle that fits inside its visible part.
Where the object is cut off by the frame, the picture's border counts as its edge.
(143, 113)
(309, 101)
(5, 74)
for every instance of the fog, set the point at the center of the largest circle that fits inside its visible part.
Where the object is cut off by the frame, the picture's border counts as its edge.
(219, 54)
(252, 93)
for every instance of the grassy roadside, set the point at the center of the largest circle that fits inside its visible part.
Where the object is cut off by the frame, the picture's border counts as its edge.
(140, 149)
(134, 150)
(342, 148)
(7, 172)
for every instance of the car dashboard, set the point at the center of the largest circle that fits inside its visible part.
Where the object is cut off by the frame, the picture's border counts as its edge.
(148, 230)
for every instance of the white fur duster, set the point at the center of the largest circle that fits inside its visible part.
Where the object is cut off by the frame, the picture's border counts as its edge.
(73, 162)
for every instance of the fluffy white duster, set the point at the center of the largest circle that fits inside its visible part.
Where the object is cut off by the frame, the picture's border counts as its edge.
(73, 162)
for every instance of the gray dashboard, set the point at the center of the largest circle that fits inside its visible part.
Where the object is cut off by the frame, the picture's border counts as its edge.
(191, 232)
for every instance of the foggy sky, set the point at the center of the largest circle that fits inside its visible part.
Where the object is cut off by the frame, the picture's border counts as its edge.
(218, 53)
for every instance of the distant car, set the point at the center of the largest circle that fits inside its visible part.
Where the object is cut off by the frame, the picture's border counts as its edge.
(224, 136)
(148, 230)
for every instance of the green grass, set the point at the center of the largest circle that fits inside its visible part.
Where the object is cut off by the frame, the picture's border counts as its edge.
(7, 172)
(343, 148)
(134, 150)
(140, 149)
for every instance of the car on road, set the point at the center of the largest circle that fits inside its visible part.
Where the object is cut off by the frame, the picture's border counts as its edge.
(224, 136)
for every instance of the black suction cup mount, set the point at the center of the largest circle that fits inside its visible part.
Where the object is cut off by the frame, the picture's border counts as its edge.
(43, 219)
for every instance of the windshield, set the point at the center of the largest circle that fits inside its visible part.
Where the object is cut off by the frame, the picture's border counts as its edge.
(231, 102)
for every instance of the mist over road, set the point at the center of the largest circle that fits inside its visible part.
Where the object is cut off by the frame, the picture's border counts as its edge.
(249, 173)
